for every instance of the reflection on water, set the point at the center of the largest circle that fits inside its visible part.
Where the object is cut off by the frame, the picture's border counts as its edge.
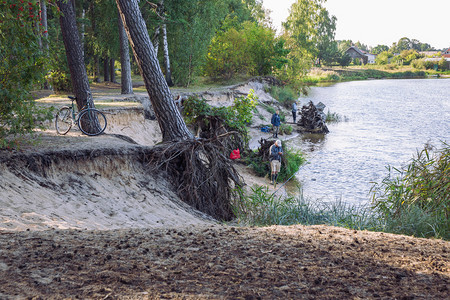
(388, 121)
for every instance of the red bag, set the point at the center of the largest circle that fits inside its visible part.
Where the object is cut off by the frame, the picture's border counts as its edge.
(235, 154)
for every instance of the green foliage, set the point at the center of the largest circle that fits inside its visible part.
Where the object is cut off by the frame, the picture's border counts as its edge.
(21, 68)
(309, 33)
(334, 117)
(383, 58)
(253, 49)
(380, 48)
(191, 26)
(243, 107)
(286, 95)
(264, 208)
(290, 164)
(235, 117)
(409, 44)
(344, 59)
(285, 129)
(417, 200)
(318, 75)
(442, 64)
(60, 80)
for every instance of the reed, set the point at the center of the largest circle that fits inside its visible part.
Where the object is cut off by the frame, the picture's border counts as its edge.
(263, 208)
(415, 199)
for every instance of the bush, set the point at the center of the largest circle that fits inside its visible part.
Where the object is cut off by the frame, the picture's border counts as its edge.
(286, 95)
(290, 164)
(417, 200)
(61, 81)
(285, 129)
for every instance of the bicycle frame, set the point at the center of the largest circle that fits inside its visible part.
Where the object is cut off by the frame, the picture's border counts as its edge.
(75, 115)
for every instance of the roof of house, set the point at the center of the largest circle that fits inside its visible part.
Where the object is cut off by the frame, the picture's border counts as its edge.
(356, 49)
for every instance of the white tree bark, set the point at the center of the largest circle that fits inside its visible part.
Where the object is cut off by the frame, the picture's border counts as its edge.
(125, 75)
(166, 56)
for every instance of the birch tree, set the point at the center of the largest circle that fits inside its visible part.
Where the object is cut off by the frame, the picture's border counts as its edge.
(125, 75)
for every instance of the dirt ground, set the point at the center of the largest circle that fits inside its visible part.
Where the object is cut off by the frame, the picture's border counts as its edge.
(222, 262)
(58, 241)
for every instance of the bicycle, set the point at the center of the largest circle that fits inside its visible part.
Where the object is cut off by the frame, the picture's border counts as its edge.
(90, 120)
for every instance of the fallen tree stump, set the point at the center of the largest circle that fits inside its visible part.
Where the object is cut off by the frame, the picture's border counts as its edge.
(312, 119)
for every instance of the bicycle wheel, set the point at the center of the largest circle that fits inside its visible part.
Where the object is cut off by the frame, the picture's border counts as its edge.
(92, 121)
(63, 120)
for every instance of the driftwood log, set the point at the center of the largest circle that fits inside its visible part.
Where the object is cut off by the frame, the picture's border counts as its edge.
(312, 120)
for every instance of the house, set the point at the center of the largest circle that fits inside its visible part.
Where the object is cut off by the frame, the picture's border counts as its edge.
(363, 56)
(370, 57)
(446, 53)
(429, 53)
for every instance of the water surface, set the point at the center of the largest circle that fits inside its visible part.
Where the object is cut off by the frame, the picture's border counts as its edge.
(388, 121)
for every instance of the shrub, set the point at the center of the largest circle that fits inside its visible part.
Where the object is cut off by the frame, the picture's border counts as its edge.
(417, 200)
(290, 164)
(286, 95)
(60, 81)
(285, 129)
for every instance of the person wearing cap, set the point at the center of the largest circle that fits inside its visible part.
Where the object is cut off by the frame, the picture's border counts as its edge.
(275, 160)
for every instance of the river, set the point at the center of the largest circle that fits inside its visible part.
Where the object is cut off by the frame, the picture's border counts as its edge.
(388, 121)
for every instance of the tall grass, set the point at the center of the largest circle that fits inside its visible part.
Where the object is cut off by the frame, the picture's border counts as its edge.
(415, 202)
(263, 208)
(415, 199)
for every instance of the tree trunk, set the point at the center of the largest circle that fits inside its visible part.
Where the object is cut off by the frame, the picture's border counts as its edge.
(45, 46)
(82, 29)
(166, 56)
(156, 40)
(169, 118)
(96, 68)
(74, 53)
(106, 69)
(125, 65)
(112, 69)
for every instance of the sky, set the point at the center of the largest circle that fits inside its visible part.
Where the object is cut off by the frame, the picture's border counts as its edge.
(381, 22)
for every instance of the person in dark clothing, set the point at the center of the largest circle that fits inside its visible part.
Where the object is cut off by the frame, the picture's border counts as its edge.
(275, 160)
(276, 121)
(294, 111)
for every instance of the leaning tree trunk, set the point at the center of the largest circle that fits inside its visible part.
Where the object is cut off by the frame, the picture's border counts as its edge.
(169, 118)
(166, 56)
(74, 53)
(125, 75)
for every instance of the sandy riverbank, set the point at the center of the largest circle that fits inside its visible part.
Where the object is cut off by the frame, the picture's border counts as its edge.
(84, 217)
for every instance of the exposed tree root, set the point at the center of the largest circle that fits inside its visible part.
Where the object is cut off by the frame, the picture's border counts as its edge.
(202, 173)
